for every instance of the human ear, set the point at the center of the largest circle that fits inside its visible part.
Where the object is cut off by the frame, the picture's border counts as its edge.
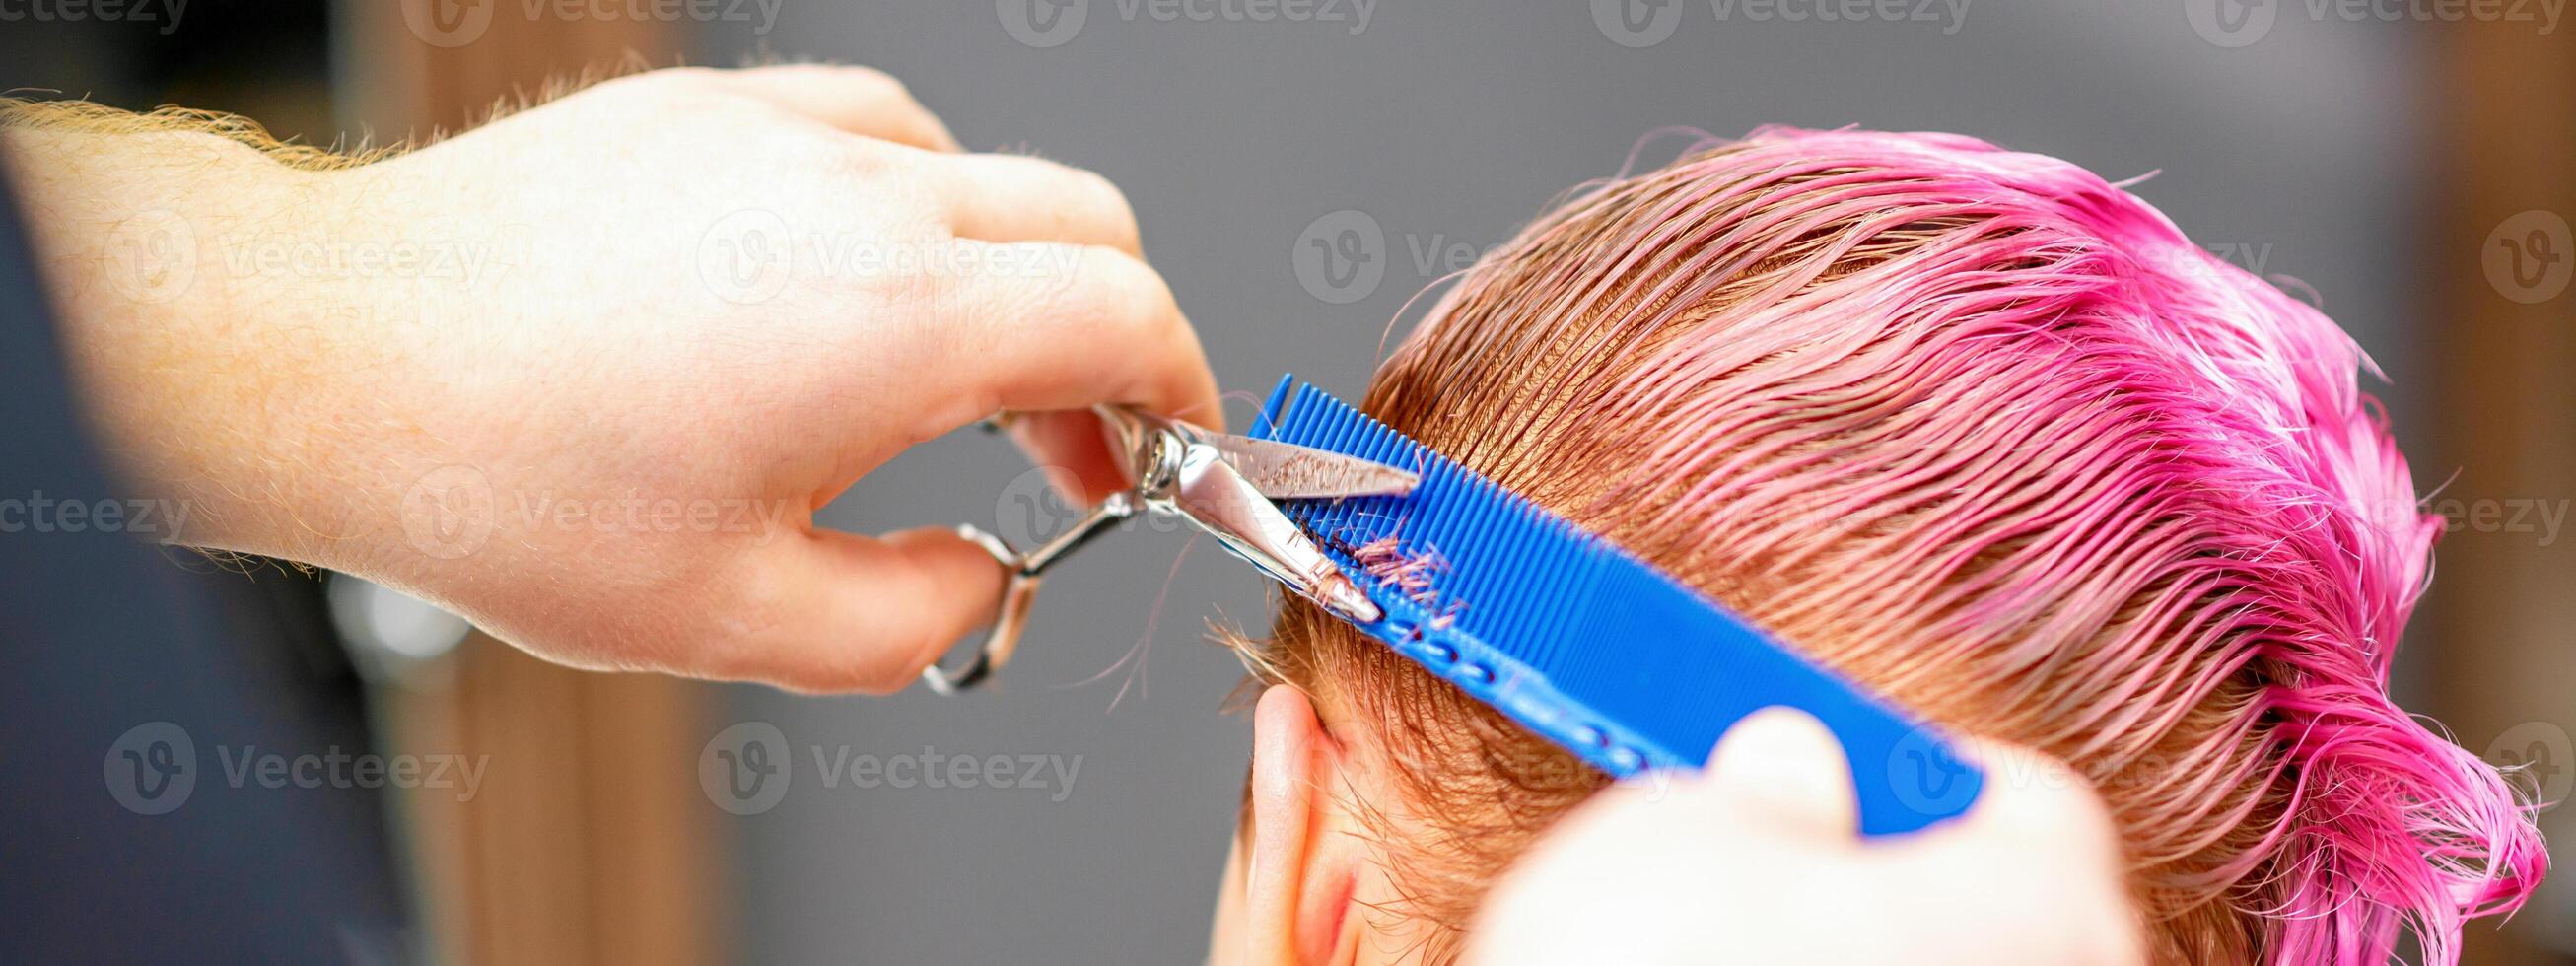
(1298, 880)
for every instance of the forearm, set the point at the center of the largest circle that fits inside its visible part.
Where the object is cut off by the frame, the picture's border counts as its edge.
(208, 380)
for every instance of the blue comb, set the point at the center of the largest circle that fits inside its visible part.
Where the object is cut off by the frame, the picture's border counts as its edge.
(1582, 642)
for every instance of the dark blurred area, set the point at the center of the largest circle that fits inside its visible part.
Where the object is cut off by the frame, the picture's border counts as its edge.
(120, 673)
(2407, 171)
(264, 59)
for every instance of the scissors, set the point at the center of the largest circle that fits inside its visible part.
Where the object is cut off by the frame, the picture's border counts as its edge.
(1222, 485)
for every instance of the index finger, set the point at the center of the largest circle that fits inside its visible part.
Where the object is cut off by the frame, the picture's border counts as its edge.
(1064, 327)
(857, 100)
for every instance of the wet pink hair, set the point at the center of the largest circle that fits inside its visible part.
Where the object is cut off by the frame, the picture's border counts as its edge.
(1986, 432)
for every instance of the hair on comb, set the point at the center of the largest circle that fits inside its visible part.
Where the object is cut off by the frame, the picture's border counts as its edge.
(1577, 639)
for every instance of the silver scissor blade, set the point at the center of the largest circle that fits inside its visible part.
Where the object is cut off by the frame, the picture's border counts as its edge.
(1210, 492)
(1286, 471)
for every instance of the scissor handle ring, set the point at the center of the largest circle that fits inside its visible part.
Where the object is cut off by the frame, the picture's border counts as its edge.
(1020, 575)
(1019, 590)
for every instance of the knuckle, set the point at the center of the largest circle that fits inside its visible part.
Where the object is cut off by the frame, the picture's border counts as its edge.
(1113, 206)
(849, 78)
(877, 81)
(892, 177)
(1089, 197)
(1133, 290)
(1105, 192)
(1108, 297)
(926, 288)
(671, 80)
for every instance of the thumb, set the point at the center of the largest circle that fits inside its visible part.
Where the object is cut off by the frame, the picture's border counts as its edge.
(856, 613)
(1782, 766)
(2040, 803)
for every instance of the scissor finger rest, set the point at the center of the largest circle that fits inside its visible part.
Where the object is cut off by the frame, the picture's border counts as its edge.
(1021, 572)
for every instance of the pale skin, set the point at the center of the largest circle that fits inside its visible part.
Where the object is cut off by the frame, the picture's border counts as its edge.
(552, 311)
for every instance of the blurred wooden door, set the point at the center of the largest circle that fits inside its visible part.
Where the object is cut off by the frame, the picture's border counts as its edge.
(2500, 623)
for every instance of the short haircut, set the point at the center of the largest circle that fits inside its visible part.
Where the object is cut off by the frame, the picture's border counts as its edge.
(1989, 434)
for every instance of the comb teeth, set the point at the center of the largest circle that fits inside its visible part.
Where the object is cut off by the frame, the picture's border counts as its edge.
(1582, 642)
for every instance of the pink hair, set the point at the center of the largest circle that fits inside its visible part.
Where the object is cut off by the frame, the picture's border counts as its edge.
(1987, 432)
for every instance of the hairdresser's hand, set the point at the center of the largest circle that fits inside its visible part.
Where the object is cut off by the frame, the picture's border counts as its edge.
(584, 374)
(1756, 862)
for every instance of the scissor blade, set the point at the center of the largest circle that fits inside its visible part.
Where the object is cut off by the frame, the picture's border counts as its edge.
(1211, 493)
(1286, 471)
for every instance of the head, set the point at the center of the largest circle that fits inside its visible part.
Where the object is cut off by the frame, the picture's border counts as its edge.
(1976, 429)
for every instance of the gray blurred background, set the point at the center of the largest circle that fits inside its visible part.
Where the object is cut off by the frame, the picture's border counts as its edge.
(2343, 153)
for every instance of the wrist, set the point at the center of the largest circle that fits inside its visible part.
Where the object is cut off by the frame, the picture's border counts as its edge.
(201, 368)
